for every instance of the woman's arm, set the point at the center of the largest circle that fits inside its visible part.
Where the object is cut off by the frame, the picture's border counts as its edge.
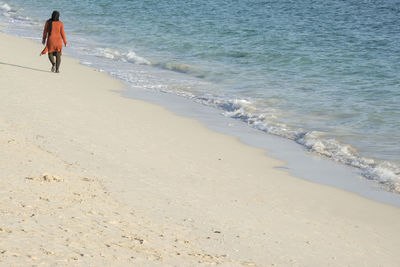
(63, 34)
(45, 31)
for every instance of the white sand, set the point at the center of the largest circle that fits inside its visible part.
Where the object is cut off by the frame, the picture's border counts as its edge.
(90, 178)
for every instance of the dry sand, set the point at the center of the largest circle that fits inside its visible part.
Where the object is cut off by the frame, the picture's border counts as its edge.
(90, 178)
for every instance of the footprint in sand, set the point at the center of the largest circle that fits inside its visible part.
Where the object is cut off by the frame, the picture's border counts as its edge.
(46, 178)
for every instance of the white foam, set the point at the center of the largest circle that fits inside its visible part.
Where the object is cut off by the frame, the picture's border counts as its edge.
(109, 53)
(5, 7)
(133, 58)
(115, 54)
(86, 63)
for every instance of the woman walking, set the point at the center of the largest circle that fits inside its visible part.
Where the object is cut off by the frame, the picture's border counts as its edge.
(54, 33)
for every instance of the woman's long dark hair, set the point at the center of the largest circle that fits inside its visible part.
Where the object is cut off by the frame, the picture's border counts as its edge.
(54, 17)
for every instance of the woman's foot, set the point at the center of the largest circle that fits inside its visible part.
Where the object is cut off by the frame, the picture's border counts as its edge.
(57, 71)
(53, 68)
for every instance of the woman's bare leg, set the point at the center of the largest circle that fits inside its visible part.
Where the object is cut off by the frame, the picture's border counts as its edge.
(53, 63)
(58, 61)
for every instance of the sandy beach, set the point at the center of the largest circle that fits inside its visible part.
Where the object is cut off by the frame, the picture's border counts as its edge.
(89, 178)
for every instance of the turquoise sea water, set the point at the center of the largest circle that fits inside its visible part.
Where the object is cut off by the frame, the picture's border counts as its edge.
(324, 74)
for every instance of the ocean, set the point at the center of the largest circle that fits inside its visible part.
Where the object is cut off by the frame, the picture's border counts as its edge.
(324, 74)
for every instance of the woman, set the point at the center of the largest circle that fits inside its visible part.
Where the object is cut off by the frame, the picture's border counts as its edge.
(54, 33)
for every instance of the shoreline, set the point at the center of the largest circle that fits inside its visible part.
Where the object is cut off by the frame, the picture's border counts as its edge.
(298, 161)
(130, 182)
(369, 177)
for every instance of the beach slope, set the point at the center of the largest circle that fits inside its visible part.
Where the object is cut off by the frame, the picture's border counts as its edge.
(88, 177)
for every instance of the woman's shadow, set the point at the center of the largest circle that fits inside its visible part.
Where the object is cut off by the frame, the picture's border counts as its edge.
(19, 66)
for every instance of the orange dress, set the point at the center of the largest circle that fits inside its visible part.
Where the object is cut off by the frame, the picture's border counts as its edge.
(55, 39)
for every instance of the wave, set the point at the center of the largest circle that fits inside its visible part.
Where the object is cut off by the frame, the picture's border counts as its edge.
(5, 7)
(132, 57)
(13, 14)
(115, 54)
(180, 67)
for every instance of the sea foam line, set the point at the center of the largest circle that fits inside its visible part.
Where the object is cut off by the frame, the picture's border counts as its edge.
(385, 173)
